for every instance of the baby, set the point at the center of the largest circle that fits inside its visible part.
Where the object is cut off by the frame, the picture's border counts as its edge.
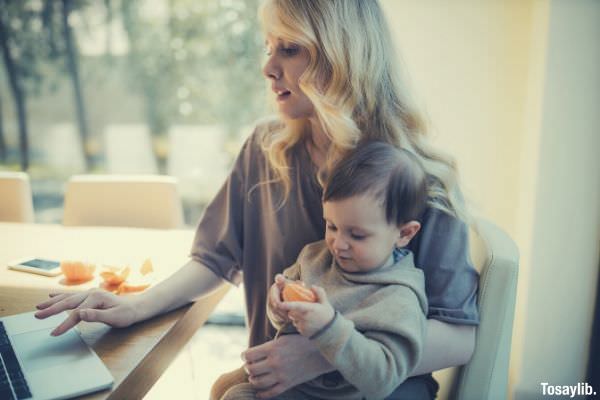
(368, 318)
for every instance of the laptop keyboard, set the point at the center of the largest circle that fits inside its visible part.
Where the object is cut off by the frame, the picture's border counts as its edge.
(12, 380)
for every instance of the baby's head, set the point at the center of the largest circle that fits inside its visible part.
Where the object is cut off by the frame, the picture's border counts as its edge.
(372, 200)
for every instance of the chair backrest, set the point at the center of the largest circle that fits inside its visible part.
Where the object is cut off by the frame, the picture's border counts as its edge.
(16, 204)
(143, 201)
(496, 258)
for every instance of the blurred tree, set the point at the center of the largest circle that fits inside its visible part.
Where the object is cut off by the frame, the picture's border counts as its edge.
(15, 42)
(72, 55)
(2, 141)
(198, 62)
(189, 61)
(217, 45)
(35, 36)
(150, 70)
(108, 22)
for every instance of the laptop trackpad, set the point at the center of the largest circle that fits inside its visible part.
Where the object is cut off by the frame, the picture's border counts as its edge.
(38, 350)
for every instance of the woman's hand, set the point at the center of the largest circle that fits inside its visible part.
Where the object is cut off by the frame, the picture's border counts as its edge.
(93, 306)
(275, 302)
(310, 318)
(281, 364)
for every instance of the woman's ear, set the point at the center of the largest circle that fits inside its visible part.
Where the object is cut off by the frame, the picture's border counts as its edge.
(407, 230)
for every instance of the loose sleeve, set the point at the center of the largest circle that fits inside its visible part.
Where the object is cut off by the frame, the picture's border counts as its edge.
(218, 242)
(451, 282)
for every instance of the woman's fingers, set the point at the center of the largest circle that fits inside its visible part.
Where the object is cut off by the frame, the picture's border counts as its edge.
(55, 298)
(116, 316)
(258, 368)
(65, 303)
(72, 320)
(257, 353)
(263, 381)
(95, 315)
(74, 317)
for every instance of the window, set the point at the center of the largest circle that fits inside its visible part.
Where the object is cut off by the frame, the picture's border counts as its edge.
(121, 86)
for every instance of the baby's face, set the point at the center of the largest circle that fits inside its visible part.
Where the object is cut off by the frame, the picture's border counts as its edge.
(358, 234)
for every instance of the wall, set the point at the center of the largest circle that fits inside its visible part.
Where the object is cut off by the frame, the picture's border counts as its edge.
(565, 239)
(468, 63)
(512, 89)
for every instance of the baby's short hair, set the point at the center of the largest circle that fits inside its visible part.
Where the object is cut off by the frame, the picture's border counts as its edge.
(394, 177)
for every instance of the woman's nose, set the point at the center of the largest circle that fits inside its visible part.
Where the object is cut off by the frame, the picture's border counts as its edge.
(271, 69)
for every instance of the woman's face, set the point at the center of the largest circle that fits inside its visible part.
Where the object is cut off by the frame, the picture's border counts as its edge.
(285, 64)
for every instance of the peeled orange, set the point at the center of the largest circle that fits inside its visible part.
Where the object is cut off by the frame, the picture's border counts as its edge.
(77, 271)
(297, 291)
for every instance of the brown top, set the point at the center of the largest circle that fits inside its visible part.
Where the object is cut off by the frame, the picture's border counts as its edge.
(242, 230)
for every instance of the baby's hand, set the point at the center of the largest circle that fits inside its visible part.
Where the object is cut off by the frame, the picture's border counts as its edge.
(275, 300)
(310, 318)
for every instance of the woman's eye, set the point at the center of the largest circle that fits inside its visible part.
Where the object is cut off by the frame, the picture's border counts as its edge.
(331, 228)
(289, 51)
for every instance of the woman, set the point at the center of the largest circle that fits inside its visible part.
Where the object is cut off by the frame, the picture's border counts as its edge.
(331, 69)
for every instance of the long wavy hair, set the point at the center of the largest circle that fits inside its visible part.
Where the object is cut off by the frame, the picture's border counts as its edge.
(363, 96)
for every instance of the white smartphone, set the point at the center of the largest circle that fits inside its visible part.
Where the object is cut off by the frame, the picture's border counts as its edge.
(39, 266)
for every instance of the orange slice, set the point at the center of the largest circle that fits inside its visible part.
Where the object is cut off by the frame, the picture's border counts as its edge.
(297, 291)
(131, 288)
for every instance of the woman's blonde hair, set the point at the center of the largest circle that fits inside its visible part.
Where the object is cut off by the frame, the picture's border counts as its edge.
(361, 94)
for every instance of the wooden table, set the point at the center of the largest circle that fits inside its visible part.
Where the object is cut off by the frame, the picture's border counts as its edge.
(138, 355)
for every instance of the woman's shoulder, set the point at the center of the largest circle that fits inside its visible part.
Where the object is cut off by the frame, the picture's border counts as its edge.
(265, 128)
(254, 143)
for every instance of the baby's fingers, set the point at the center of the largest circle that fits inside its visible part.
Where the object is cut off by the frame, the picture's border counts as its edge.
(321, 295)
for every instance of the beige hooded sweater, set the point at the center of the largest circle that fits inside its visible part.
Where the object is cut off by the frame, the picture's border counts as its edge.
(376, 337)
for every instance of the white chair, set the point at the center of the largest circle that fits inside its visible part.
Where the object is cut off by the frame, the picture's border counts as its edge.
(16, 204)
(143, 201)
(496, 258)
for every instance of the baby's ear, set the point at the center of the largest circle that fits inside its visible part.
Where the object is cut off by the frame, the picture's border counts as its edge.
(408, 230)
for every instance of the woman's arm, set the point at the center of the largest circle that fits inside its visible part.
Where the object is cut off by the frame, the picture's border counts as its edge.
(446, 345)
(191, 281)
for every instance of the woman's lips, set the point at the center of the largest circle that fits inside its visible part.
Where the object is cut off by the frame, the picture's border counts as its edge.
(282, 95)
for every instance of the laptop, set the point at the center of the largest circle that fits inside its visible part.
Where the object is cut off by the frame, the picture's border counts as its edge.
(35, 365)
